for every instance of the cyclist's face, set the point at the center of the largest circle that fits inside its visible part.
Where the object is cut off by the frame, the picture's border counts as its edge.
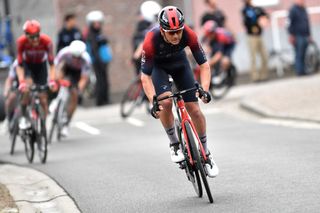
(33, 39)
(174, 37)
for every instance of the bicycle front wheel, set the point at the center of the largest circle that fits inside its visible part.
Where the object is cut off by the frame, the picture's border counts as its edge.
(54, 122)
(42, 142)
(191, 171)
(133, 97)
(196, 158)
(220, 86)
(13, 134)
(29, 139)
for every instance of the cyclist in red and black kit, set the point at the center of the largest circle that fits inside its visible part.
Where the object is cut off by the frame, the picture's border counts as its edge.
(163, 54)
(221, 43)
(34, 51)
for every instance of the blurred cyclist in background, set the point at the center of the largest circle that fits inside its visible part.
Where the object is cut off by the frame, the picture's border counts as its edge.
(100, 53)
(221, 43)
(34, 51)
(10, 90)
(148, 13)
(69, 32)
(73, 65)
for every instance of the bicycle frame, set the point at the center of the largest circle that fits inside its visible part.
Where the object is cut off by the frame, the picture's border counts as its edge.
(184, 117)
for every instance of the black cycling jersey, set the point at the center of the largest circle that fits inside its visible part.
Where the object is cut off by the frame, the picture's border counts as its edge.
(157, 52)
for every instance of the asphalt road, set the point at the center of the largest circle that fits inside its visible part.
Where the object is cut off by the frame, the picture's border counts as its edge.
(125, 166)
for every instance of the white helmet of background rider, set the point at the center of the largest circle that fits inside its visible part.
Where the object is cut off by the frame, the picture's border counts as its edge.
(94, 16)
(150, 10)
(77, 48)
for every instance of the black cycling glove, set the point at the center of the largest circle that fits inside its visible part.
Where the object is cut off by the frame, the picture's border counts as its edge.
(206, 96)
(155, 107)
(202, 93)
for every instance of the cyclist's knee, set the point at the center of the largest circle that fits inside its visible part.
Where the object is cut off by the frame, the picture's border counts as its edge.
(194, 110)
(43, 99)
(225, 62)
(166, 104)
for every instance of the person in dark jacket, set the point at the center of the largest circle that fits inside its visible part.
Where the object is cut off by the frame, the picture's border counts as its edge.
(100, 53)
(299, 30)
(252, 19)
(69, 32)
(215, 14)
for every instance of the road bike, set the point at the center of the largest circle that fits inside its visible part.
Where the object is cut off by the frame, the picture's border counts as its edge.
(283, 60)
(195, 156)
(221, 80)
(312, 59)
(133, 97)
(59, 109)
(36, 134)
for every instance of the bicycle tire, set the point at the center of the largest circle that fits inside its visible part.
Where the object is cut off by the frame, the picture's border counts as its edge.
(60, 122)
(197, 160)
(54, 122)
(219, 89)
(41, 137)
(191, 172)
(132, 97)
(29, 140)
(312, 58)
(14, 134)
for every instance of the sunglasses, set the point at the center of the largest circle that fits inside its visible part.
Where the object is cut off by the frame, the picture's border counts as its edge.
(33, 36)
(174, 32)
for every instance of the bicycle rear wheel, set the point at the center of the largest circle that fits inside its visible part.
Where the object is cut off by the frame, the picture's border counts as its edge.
(191, 171)
(133, 97)
(197, 160)
(312, 58)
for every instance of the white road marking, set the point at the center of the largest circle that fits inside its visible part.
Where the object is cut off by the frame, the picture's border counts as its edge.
(211, 111)
(87, 128)
(135, 122)
(290, 123)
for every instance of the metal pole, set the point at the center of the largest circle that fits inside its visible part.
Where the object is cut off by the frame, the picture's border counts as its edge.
(6, 7)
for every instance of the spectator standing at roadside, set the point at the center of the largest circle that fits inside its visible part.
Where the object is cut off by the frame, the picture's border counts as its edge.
(100, 53)
(299, 30)
(253, 17)
(69, 32)
(214, 14)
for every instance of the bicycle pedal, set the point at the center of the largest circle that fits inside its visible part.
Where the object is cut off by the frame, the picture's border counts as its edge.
(182, 165)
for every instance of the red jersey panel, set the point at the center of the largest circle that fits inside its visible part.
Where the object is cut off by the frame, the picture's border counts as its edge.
(35, 54)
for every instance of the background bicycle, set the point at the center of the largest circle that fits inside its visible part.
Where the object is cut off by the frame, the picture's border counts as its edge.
(221, 81)
(58, 108)
(133, 97)
(283, 60)
(35, 134)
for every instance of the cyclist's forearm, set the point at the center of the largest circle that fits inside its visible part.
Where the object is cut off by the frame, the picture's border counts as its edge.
(83, 82)
(205, 76)
(52, 73)
(214, 59)
(148, 86)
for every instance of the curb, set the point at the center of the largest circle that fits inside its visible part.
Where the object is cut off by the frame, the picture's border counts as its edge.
(33, 191)
(261, 110)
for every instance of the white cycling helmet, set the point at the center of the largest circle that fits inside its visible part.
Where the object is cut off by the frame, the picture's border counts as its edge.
(77, 48)
(149, 10)
(94, 16)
